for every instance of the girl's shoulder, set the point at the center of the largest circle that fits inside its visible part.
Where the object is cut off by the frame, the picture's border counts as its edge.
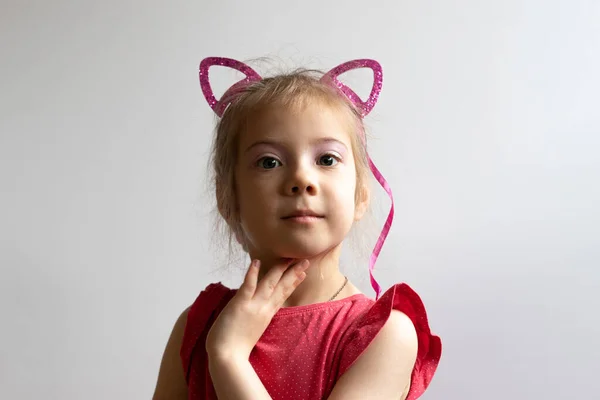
(171, 381)
(212, 298)
(397, 300)
(200, 315)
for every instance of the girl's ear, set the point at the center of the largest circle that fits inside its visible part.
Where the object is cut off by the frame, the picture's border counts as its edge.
(240, 238)
(226, 208)
(362, 203)
(228, 211)
(220, 206)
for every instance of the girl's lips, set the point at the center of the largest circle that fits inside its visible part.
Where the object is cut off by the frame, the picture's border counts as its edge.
(304, 219)
(302, 212)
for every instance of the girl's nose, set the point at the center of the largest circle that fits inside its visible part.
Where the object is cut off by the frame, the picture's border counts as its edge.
(302, 182)
(310, 189)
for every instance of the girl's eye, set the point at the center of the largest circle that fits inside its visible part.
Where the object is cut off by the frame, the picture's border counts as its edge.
(328, 160)
(268, 162)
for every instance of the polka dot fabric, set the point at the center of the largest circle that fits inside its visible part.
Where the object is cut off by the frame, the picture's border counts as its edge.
(306, 349)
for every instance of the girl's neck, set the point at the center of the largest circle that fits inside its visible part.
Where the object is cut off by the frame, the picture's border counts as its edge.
(323, 280)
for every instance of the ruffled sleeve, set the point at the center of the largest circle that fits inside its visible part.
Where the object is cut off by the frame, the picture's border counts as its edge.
(402, 298)
(201, 312)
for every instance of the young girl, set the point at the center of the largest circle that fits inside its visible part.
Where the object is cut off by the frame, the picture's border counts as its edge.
(291, 172)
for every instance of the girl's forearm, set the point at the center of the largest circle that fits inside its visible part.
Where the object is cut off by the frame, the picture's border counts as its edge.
(236, 379)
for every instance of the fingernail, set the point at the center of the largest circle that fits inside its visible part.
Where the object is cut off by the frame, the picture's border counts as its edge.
(304, 264)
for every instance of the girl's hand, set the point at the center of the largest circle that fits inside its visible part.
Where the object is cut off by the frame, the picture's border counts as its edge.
(243, 321)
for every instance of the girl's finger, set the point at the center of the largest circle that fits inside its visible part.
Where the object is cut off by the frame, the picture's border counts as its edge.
(269, 282)
(248, 288)
(289, 282)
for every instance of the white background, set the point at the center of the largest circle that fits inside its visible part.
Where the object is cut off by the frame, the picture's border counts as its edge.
(487, 129)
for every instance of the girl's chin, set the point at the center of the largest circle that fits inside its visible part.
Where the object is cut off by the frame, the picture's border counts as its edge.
(292, 250)
(298, 255)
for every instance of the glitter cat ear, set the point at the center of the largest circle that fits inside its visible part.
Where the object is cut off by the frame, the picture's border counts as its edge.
(219, 106)
(365, 107)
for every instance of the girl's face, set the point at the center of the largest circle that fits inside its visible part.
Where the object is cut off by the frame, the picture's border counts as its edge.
(289, 162)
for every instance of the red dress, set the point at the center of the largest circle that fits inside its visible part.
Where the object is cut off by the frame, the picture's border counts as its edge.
(306, 349)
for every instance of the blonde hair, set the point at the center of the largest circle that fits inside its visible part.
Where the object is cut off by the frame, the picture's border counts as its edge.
(293, 91)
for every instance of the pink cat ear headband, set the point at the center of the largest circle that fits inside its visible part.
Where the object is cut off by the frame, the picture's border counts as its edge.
(331, 77)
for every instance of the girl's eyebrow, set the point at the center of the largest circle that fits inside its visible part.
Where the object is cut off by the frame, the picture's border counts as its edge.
(277, 144)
